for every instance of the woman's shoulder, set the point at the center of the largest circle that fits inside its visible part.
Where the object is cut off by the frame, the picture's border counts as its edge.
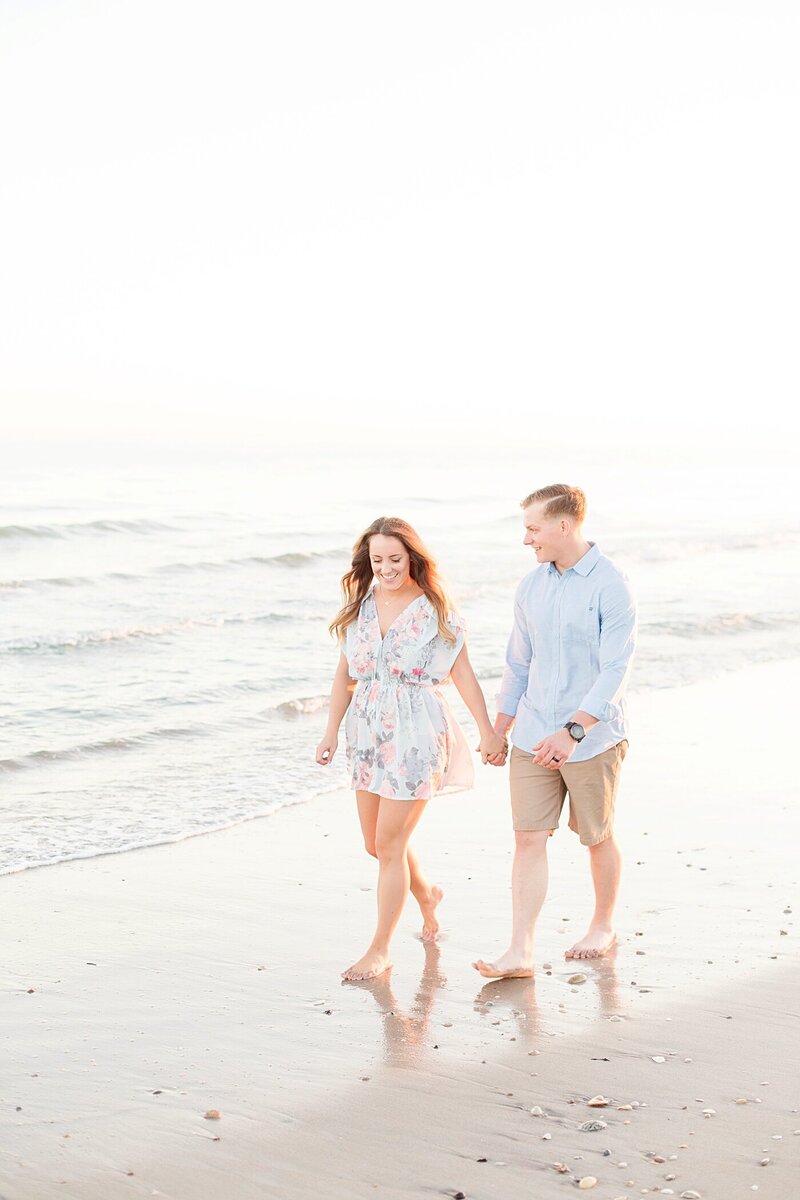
(456, 622)
(453, 619)
(367, 600)
(352, 627)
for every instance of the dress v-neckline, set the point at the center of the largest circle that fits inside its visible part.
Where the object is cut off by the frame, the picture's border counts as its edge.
(383, 636)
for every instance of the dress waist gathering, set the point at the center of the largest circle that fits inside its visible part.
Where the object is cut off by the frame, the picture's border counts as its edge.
(397, 681)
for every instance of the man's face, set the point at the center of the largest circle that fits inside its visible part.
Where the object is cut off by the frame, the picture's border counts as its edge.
(544, 534)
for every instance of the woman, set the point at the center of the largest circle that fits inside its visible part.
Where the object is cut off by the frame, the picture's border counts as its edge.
(400, 642)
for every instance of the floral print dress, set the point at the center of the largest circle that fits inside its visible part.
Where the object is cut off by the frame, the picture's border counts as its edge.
(402, 739)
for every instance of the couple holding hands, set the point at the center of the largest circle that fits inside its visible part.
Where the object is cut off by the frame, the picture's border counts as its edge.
(567, 666)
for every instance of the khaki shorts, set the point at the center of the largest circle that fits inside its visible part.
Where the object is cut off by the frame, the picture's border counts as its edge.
(537, 793)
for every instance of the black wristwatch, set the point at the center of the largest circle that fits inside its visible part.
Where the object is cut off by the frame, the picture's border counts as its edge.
(576, 731)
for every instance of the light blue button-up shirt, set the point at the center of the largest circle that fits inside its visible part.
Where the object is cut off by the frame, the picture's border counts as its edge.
(571, 648)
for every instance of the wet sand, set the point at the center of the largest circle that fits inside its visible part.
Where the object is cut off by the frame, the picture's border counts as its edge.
(143, 990)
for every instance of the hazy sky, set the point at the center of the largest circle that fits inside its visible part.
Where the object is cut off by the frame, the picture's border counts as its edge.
(246, 221)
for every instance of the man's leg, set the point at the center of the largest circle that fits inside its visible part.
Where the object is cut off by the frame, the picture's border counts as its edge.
(537, 794)
(606, 864)
(528, 889)
(592, 788)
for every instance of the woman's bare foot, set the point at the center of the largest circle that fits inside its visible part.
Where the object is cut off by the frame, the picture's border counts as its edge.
(508, 966)
(370, 966)
(430, 926)
(598, 941)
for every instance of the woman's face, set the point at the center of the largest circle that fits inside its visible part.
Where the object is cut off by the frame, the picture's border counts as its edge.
(391, 564)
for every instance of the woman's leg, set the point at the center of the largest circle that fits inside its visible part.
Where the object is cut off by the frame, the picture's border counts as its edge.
(426, 896)
(396, 822)
(368, 805)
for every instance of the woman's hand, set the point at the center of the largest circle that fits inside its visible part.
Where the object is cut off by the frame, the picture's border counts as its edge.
(493, 748)
(326, 749)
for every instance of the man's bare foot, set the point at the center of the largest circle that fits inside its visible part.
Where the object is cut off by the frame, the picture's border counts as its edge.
(430, 926)
(597, 942)
(370, 966)
(505, 967)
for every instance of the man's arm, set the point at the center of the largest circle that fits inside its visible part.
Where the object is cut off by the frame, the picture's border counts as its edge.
(601, 702)
(617, 643)
(519, 653)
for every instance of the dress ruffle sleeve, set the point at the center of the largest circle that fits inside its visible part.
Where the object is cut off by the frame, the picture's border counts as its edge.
(443, 653)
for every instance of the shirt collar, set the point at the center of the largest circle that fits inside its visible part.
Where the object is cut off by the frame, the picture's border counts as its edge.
(584, 565)
(589, 561)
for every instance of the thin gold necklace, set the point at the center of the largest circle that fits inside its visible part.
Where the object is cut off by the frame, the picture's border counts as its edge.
(386, 602)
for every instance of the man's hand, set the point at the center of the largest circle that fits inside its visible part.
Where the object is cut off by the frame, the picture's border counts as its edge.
(555, 750)
(502, 727)
(492, 748)
(499, 759)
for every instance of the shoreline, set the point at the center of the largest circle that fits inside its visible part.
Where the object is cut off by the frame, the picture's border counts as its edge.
(204, 974)
(464, 719)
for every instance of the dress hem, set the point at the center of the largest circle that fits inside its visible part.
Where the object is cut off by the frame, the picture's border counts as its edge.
(449, 790)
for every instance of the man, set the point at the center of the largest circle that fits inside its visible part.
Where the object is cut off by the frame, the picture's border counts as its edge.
(567, 667)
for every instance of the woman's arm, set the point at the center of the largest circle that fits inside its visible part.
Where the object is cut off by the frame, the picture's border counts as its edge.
(341, 695)
(463, 676)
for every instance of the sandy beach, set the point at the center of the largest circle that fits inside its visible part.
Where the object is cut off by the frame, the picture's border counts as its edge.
(145, 990)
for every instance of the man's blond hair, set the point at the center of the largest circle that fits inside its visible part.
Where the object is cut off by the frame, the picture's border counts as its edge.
(561, 500)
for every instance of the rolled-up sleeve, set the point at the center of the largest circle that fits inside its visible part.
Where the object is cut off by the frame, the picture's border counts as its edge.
(519, 653)
(617, 644)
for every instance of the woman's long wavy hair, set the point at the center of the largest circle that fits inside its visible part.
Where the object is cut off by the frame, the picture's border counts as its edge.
(358, 580)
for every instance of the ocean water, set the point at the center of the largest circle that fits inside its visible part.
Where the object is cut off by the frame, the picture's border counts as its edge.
(164, 656)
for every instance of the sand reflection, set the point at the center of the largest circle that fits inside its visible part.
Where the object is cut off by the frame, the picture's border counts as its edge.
(405, 1031)
(515, 1000)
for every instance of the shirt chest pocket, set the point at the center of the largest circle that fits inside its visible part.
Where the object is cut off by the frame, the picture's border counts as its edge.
(583, 627)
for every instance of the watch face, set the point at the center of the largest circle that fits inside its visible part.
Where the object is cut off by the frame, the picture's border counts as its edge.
(577, 731)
